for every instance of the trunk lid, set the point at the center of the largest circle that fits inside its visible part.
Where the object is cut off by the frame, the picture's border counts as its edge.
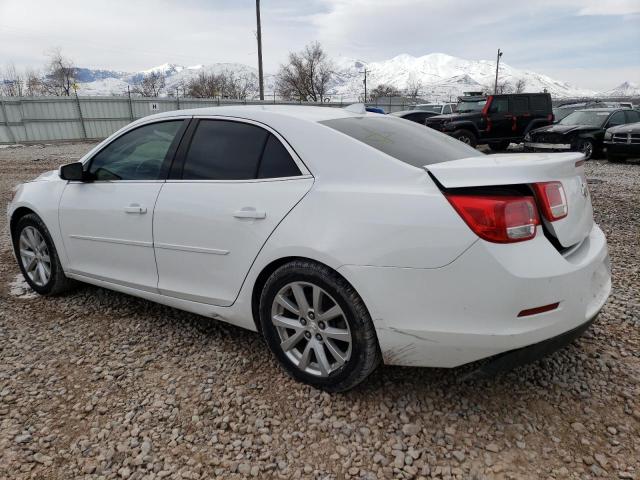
(528, 168)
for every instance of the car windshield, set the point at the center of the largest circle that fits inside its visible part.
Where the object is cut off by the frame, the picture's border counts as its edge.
(470, 106)
(429, 108)
(592, 119)
(409, 142)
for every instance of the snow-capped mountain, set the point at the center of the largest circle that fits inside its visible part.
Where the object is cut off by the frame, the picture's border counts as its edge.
(625, 89)
(440, 76)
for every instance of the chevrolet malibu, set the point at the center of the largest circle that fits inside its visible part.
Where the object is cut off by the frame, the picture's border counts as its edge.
(345, 238)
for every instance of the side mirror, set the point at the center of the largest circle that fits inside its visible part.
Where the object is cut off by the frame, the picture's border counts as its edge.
(73, 172)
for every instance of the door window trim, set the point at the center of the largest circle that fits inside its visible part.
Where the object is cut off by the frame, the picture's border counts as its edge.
(175, 174)
(169, 156)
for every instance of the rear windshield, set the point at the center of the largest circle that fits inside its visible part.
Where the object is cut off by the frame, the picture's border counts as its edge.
(405, 140)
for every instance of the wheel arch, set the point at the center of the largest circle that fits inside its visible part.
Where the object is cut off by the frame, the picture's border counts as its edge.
(271, 267)
(17, 214)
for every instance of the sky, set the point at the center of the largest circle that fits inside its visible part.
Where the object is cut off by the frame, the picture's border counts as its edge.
(591, 44)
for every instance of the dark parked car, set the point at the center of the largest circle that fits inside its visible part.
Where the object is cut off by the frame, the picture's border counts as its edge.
(623, 142)
(418, 116)
(496, 120)
(565, 109)
(581, 131)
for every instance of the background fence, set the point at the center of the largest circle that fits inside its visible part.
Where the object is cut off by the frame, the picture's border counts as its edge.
(45, 119)
(42, 119)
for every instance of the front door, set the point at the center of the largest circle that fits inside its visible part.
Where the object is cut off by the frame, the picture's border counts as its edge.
(236, 183)
(106, 223)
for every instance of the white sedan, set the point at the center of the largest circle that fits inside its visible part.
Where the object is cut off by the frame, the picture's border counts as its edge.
(346, 238)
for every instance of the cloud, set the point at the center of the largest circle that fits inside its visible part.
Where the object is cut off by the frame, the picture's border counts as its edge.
(546, 35)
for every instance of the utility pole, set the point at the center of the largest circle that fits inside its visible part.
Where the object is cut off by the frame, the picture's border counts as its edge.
(259, 35)
(365, 84)
(495, 86)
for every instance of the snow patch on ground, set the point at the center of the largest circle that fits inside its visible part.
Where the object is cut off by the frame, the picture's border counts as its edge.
(13, 145)
(20, 288)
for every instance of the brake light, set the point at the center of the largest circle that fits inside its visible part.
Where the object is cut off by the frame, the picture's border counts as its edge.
(552, 200)
(498, 219)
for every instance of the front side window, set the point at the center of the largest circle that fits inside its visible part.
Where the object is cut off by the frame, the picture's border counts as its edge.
(632, 116)
(136, 155)
(499, 105)
(409, 142)
(226, 150)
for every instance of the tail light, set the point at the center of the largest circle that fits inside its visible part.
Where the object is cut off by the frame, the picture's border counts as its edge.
(552, 200)
(499, 219)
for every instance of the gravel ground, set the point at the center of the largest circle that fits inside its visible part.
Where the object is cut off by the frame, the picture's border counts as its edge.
(102, 385)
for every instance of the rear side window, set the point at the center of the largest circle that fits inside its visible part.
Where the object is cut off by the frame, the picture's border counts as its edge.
(276, 161)
(408, 142)
(519, 105)
(539, 104)
(225, 150)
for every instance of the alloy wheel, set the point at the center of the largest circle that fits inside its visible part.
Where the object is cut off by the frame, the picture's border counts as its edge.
(587, 149)
(34, 255)
(313, 330)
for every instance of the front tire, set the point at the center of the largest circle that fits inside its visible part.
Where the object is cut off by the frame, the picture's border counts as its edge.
(586, 147)
(318, 327)
(465, 136)
(37, 257)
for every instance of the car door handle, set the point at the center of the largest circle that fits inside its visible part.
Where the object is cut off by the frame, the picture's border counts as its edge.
(249, 212)
(135, 208)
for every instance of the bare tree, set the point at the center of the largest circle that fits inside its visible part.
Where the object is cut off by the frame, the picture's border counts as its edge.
(503, 87)
(307, 75)
(226, 84)
(33, 84)
(414, 86)
(60, 75)
(384, 90)
(151, 85)
(520, 86)
(11, 82)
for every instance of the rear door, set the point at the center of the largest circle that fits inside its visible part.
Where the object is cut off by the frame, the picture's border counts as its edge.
(521, 111)
(500, 118)
(233, 182)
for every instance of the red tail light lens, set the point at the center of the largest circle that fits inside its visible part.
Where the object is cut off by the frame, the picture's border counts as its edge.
(499, 219)
(552, 199)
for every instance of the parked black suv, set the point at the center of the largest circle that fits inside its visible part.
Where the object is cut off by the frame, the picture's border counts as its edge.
(496, 120)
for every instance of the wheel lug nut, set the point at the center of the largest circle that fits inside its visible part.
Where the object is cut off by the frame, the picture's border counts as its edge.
(318, 337)
(307, 334)
(311, 315)
(321, 325)
(303, 322)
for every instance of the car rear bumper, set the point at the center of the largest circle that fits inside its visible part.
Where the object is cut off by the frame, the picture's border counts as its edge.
(468, 310)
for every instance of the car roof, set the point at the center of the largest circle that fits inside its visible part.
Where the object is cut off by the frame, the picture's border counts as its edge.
(301, 112)
(601, 109)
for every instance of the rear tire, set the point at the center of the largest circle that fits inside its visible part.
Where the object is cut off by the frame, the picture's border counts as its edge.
(466, 136)
(499, 146)
(37, 257)
(318, 327)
